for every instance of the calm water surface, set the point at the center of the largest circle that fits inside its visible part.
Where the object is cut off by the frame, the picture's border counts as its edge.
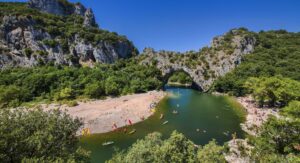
(196, 110)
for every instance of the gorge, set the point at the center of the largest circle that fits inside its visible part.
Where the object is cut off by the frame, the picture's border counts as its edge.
(71, 91)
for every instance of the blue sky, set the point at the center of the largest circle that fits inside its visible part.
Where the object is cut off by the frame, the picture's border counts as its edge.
(182, 25)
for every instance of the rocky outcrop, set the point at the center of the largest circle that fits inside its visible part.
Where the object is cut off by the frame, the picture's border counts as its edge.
(79, 9)
(89, 19)
(22, 45)
(239, 151)
(206, 65)
(57, 7)
(64, 8)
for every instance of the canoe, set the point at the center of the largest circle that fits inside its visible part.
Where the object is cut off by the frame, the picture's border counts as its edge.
(161, 116)
(132, 132)
(107, 143)
(226, 133)
(165, 122)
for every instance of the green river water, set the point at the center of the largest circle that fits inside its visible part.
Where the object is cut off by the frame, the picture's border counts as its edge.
(196, 110)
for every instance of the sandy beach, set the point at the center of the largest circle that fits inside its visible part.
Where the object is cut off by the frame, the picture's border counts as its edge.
(102, 116)
(255, 116)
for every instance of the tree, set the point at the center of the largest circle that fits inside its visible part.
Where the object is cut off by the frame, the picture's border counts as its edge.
(37, 135)
(153, 149)
(273, 90)
(211, 152)
(13, 96)
(112, 86)
(177, 148)
(94, 90)
(65, 94)
(293, 109)
(279, 137)
(145, 150)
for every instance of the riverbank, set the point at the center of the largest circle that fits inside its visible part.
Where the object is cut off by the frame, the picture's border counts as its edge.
(178, 84)
(103, 116)
(255, 116)
(239, 149)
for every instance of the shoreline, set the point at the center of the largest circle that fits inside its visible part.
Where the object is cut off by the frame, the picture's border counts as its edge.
(102, 116)
(256, 116)
(177, 84)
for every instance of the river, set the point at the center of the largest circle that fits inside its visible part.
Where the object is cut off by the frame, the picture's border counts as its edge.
(212, 116)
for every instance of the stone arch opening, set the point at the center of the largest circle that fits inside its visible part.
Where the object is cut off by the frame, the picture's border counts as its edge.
(171, 72)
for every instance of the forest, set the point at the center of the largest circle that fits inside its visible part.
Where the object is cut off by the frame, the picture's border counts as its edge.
(65, 84)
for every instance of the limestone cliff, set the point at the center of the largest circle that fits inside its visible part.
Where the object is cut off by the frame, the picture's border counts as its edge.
(37, 38)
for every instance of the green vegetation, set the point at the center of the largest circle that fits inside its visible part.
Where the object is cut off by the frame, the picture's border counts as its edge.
(292, 110)
(51, 43)
(271, 75)
(38, 136)
(273, 90)
(68, 83)
(276, 53)
(180, 78)
(177, 148)
(278, 141)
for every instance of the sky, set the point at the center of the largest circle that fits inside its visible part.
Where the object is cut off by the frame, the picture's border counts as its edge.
(182, 25)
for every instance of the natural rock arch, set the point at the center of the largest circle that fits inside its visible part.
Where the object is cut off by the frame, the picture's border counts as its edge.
(206, 65)
(171, 71)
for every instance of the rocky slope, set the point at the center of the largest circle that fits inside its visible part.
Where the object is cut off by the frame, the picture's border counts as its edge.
(56, 32)
(209, 63)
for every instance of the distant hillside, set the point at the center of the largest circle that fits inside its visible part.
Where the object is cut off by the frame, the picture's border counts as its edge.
(56, 32)
(277, 53)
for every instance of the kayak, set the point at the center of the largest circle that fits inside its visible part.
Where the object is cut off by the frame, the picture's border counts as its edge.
(165, 122)
(161, 116)
(132, 132)
(226, 133)
(107, 143)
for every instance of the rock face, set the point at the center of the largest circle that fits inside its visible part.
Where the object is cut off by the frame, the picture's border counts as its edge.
(21, 45)
(211, 63)
(89, 19)
(64, 8)
(52, 6)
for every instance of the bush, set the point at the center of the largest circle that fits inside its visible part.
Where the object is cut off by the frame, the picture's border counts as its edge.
(273, 90)
(177, 148)
(28, 52)
(94, 90)
(71, 103)
(181, 77)
(35, 135)
(12, 96)
(51, 43)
